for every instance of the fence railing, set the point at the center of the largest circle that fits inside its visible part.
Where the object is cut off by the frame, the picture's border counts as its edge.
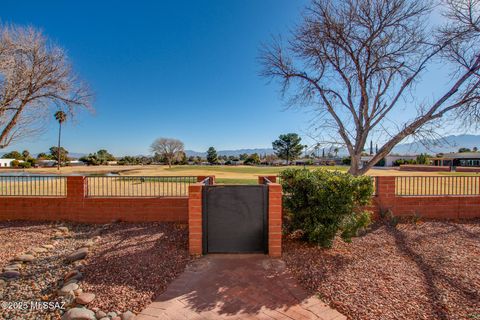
(152, 186)
(33, 186)
(437, 186)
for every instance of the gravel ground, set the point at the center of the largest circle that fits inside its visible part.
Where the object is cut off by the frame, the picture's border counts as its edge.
(428, 270)
(133, 263)
(127, 265)
(40, 278)
(17, 236)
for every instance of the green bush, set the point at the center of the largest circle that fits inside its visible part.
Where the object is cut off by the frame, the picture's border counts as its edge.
(323, 203)
(347, 161)
(25, 165)
(15, 163)
(399, 162)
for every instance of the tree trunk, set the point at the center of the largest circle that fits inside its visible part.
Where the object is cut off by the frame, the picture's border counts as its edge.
(58, 151)
(355, 165)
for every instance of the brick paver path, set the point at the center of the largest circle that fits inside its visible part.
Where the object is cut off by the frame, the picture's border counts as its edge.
(237, 287)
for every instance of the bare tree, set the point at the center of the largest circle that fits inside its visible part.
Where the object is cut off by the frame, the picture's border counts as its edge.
(35, 76)
(357, 61)
(170, 149)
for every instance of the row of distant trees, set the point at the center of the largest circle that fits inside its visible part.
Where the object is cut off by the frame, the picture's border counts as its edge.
(171, 151)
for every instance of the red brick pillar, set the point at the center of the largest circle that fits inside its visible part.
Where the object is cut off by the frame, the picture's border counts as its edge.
(76, 193)
(274, 220)
(195, 218)
(385, 193)
(76, 187)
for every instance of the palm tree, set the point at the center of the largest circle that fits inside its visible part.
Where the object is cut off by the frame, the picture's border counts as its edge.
(60, 116)
(335, 151)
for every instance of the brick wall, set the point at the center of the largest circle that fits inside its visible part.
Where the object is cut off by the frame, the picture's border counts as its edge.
(76, 207)
(434, 207)
(467, 169)
(425, 168)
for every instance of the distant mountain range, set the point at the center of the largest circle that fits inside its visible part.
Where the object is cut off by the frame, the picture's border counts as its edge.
(448, 144)
(234, 153)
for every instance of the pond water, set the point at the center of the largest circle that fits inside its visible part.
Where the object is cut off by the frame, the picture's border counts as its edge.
(32, 174)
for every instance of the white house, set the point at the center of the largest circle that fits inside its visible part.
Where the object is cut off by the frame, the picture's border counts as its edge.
(46, 163)
(390, 159)
(6, 162)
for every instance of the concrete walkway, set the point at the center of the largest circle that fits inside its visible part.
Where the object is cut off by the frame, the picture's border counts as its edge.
(237, 287)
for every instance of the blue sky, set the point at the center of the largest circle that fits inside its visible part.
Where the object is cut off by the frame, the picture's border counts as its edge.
(183, 69)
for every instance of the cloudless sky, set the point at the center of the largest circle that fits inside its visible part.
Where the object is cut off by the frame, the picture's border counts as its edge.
(182, 69)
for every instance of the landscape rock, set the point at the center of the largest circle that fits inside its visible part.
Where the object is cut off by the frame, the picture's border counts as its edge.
(73, 274)
(48, 246)
(69, 298)
(70, 281)
(3, 283)
(79, 314)
(85, 298)
(100, 314)
(78, 292)
(78, 254)
(127, 315)
(89, 243)
(10, 274)
(112, 314)
(8, 268)
(63, 229)
(25, 258)
(67, 289)
(39, 250)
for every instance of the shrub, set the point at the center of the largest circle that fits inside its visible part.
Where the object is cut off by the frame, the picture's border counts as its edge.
(399, 162)
(15, 163)
(323, 203)
(25, 165)
(347, 161)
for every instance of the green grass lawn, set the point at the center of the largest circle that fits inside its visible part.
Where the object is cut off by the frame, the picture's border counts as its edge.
(251, 169)
(235, 181)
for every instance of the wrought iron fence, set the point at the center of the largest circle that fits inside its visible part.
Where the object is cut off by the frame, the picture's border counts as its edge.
(138, 186)
(33, 186)
(437, 185)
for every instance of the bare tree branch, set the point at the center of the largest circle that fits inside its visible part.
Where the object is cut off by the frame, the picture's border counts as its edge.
(35, 76)
(358, 59)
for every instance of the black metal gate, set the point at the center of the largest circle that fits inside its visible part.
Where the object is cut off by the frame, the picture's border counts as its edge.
(235, 218)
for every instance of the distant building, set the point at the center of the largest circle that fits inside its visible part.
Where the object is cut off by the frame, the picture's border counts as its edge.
(46, 163)
(76, 163)
(5, 163)
(389, 160)
(464, 159)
